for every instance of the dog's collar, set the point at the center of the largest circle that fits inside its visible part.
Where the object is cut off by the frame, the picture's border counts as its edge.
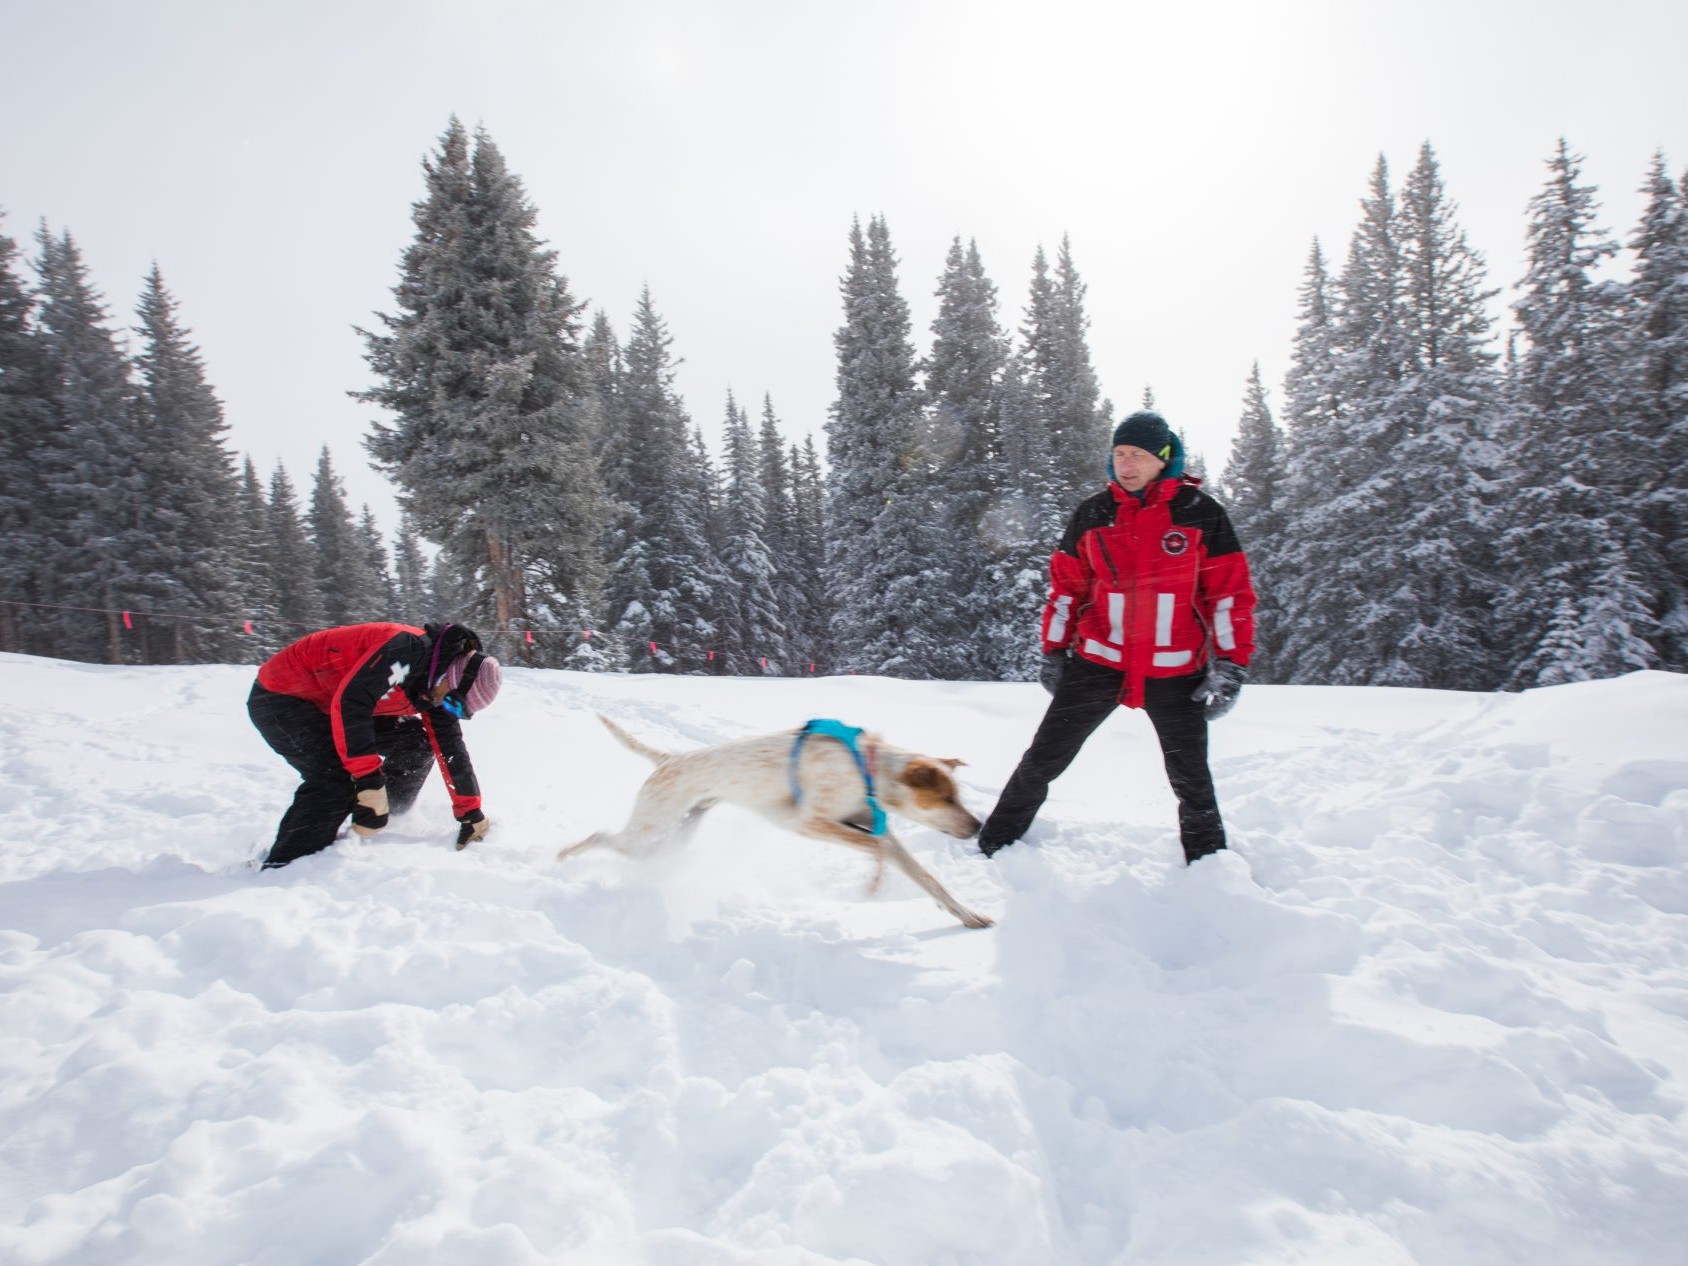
(847, 735)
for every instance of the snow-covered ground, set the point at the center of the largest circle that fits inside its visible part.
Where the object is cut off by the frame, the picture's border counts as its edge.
(1433, 1009)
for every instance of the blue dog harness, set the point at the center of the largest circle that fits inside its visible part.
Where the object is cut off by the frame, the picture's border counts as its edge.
(847, 735)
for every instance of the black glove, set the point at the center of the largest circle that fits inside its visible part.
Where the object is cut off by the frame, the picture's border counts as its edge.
(369, 809)
(1220, 688)
(1049, 672)
(473, 825)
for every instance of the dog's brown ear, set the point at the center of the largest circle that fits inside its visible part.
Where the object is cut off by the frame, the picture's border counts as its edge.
(924, 776)
(953, 762)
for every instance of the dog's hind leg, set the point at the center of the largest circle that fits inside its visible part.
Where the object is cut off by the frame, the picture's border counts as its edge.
(591, 841)
(683, 833)
(598, 839)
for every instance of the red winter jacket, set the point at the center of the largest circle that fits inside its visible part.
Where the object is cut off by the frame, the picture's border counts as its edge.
(356, 673)
(1142, 585)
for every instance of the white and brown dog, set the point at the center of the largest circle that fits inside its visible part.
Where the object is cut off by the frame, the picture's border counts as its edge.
(811, 782)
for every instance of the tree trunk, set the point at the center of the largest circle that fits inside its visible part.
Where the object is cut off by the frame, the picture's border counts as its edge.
(508, 598)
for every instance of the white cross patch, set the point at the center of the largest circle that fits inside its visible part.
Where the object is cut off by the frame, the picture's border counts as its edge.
(399, 673)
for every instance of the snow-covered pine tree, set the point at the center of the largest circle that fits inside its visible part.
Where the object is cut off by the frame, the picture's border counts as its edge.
(25, 418)
(1018, 527)
(384, 596)
(1310, 411)
(351, 589)
(191, 500)
(1253, 496)
(879, 471)
(1344, 487)
(1438, 630)
(89, 467)
(597, 648)
(773, 466)
(255, 582)
(713, 596)
(963, 376)
(480, 369)
(1574, 605)
(452, 581)
(1309, 403)
(412, 596)
(1061, 384)
(810, 532)
(755, 639)
(292, 558)
(776, 468)
(664, 582)
(1659, 303)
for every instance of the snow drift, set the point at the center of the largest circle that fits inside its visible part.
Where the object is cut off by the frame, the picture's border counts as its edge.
(1432, 1008)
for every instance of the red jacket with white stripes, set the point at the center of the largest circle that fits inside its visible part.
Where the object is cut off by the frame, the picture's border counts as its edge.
(1149, 586)
(358, 672)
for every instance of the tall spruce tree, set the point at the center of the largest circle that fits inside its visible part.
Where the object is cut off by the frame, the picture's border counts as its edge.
(964, 389)
(776, 467)
(1024, 527)
(1384, 572)
(1309, 406)
(350, 588)
(880, 475)
(412, 598)
(336, 552)
(383, 597)
(1254, 482)
(1659, 307)
(262, 634)
(756, 638)
(597, 649)
(1344, 489)
(293, 571)
(1576, 605)
(1437, 630)
(1061, 384)
(665, 583)
(716, 599)
(1311, 411)
(480, 368)
(190, 507)
(810, 533)
(25, 415)
(90, 467)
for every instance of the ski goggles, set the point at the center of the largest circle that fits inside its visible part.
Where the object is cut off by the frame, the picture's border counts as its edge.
(456, 700)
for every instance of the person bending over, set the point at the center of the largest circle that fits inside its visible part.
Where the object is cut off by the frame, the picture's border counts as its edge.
(361, 711)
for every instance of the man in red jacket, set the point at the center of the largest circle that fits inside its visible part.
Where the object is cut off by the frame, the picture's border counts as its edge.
(1150, 606)
(361, 712)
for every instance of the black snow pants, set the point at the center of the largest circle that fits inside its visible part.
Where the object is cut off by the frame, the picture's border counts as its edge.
(305, 740)
(1087, 694)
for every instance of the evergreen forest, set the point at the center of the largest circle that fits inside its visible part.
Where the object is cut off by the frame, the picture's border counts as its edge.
(1444, 498)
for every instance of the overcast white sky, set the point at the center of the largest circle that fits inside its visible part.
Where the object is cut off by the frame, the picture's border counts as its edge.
(266, 156)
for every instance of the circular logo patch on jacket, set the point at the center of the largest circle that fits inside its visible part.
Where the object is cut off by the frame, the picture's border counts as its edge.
(1175, 542)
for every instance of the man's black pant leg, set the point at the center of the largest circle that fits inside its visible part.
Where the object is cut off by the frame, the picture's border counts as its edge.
(1181, 726)
(305, 740)
(1087, 694)
(406, 758)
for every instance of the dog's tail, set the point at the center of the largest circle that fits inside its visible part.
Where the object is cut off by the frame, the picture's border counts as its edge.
(632, 744)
